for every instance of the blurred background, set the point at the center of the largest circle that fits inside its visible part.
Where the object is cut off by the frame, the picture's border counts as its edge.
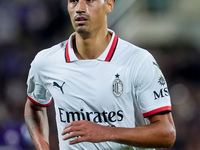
(169, 29)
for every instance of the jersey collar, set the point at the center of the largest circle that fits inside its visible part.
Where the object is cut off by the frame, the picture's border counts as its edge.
(105, 56)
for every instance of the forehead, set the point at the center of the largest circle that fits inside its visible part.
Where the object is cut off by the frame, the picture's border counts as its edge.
(75, 2)
(85, 0)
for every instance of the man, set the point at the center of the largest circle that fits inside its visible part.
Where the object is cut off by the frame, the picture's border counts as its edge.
(108, 93)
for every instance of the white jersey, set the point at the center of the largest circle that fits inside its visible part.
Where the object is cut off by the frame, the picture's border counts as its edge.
(120, 88)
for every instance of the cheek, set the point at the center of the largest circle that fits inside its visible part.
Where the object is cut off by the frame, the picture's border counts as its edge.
(70, 10)
(71, 14)
(100, 17)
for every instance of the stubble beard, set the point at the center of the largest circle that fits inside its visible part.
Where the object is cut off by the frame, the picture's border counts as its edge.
(84, 32)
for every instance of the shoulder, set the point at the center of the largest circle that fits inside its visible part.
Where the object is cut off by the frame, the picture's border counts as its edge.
(50, 54)
(132, 51)
(139, 60)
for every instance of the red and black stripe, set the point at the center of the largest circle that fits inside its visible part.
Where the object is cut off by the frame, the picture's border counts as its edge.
(109, 56)
(42, 105)
(112, 49)
(67, 58)
(156, 111)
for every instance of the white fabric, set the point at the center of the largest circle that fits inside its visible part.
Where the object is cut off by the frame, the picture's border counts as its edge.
(83, 89)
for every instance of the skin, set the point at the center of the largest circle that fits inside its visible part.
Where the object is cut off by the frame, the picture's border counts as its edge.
(89, 20)
(91, 36)
(37, 124)
(159, 133)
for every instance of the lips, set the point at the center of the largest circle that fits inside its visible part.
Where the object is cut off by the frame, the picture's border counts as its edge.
(81, 19)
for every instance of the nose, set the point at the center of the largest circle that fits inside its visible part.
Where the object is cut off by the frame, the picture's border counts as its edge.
(81, 7)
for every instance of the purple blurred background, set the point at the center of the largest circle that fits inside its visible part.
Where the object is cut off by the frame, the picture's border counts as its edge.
(168, 29)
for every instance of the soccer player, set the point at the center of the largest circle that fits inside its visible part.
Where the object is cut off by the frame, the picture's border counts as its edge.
(108, 93)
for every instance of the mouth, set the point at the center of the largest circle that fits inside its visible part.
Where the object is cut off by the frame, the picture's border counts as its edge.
(81, 20)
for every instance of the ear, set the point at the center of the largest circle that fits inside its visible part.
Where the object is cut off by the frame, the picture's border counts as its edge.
(110, 6)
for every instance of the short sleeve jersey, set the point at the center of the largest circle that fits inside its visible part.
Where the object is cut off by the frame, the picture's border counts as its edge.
(121, 88)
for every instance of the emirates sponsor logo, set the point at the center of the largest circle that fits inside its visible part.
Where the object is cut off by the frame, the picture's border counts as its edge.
(97, 117)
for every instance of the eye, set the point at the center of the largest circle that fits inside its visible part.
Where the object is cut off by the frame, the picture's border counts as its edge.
(73, 1)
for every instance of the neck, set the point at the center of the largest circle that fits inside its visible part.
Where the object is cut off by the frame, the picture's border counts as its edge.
(92, 47)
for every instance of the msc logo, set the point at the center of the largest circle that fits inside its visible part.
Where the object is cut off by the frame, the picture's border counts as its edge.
(160, 94)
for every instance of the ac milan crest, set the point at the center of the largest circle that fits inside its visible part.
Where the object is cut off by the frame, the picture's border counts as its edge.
(117, 86)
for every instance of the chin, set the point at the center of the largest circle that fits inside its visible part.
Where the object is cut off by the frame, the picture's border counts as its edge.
(84, 32)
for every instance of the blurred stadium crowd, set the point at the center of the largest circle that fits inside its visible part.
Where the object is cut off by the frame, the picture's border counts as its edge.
(26, 27)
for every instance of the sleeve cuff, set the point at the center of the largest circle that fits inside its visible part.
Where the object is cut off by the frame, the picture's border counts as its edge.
(158, 110)
(42, 105)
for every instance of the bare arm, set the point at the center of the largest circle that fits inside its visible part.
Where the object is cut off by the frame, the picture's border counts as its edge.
(160, 133)
(37, 124)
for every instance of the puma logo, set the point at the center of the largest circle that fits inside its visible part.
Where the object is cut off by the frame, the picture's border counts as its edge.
(58, 86)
